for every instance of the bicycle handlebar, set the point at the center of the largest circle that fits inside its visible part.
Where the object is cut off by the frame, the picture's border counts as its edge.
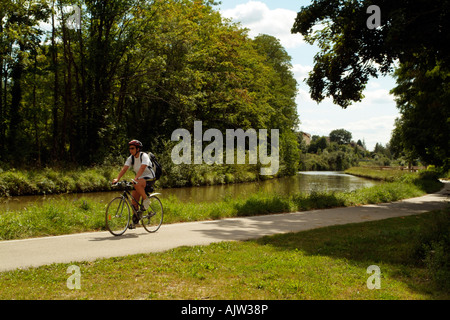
(124, 183)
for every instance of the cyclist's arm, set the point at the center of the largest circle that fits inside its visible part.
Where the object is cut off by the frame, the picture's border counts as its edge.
(140, 171)
(121, 173)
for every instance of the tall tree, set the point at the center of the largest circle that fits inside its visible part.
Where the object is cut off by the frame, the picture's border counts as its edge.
(283, 91)
(423, 99)
(20, 37)
(341, 136)
(350, 52)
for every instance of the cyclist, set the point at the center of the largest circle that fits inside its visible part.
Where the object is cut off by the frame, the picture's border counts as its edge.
(140, 165)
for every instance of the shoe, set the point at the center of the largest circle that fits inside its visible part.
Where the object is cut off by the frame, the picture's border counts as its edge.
(146, 203)
(135, 219)
(131, 226)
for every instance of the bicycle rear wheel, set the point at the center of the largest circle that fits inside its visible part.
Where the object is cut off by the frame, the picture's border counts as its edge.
(153, 217)
(117, 216)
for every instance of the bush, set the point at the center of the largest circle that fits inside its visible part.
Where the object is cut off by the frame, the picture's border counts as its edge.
(433, 248)
(16, 183)
(429, 174)
(437, 261)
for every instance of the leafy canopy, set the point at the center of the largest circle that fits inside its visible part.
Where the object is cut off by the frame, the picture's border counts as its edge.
(350, 53)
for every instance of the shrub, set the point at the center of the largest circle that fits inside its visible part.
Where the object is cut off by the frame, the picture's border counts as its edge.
(14, 183)
(433, 248)
(437, 261)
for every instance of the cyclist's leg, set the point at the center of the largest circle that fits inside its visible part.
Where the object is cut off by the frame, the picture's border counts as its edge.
(136, 196)
(139, 192)
(140, 188)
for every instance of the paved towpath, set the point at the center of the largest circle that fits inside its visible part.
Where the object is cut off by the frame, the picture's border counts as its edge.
(90, 246)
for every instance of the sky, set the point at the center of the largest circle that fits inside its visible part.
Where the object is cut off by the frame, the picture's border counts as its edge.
(371, 120)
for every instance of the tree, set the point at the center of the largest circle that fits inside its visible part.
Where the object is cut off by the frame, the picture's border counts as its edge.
(361, 144)
(423, 129)
(318, 144)
(341, 136)
(283, 90)
(19, 41)
(351, 53)
(397, 143)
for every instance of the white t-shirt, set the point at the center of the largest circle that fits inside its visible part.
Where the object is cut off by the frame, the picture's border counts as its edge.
(137, 165)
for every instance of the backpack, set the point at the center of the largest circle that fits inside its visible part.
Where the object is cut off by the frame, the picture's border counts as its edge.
(157, 168)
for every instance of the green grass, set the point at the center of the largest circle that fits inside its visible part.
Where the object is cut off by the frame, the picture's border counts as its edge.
(14, 182)
(377, 174)
(325, 263)
(64, 217)
(391, 175)
(52, 218)
(54, 181)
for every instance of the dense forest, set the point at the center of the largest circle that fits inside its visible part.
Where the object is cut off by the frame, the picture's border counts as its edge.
(81, 78)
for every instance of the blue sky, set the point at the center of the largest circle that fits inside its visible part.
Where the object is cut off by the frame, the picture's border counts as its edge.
(371, 120)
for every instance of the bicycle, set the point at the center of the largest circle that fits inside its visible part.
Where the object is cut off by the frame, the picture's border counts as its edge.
(118, 213)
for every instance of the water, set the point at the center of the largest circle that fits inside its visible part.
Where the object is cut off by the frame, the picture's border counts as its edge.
(302, 182)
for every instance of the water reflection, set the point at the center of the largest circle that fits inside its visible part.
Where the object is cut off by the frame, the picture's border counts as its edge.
(302, 182)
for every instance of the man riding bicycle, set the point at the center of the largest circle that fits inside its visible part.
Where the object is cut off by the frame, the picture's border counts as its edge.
(141, 166)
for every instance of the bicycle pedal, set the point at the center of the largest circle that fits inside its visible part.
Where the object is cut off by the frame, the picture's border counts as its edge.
(136, 218)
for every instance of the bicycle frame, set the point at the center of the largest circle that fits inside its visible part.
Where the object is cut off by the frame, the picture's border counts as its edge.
(126, 194)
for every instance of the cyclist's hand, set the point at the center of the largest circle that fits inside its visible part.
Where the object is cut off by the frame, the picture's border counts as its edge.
(115, 181)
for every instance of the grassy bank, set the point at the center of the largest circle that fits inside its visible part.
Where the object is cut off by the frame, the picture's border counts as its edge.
(54, 181)
(63, 217)
(377, 174)
(15, 182)
(391, 175)
(325, 263)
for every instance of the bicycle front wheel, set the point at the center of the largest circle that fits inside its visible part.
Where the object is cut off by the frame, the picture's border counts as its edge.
(153, 217)
(117, 216)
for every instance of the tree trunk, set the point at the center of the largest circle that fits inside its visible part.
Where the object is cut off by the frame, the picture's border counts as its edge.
(55, 150)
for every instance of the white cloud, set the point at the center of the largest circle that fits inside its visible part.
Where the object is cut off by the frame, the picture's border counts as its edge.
(316, 127)
(373, 130)
(378, 96)
(372, 124)
(303, 97)
(257, 17)
(301, 72)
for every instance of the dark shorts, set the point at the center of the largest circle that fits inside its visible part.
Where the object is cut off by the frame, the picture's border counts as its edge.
(149, 185)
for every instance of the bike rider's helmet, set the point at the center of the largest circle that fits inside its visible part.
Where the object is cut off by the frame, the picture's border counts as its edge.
(136, 143)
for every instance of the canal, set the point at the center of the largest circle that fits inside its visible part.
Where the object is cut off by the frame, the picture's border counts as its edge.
(306, 182)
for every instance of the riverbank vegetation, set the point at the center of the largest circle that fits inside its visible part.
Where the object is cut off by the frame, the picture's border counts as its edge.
(324, 263)
(338, 152)
(62, 217)
(96, 179)
(47, 181)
